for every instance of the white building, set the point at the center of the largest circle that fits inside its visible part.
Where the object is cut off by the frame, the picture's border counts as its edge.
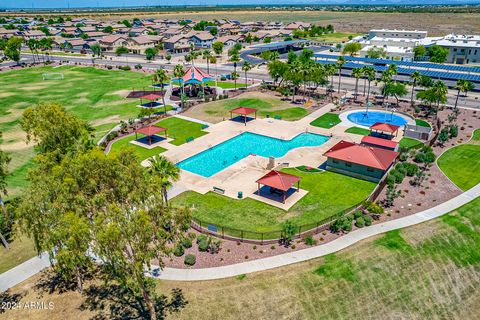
(462, 49)
(397, 34)
(400, 49)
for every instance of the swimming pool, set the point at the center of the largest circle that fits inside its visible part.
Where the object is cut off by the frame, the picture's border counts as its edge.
(371, 117)
(223, 155)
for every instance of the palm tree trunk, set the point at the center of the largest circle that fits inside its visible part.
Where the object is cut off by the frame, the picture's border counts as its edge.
(413, 91)
(246, 81)
(356, 89)
(339, 79)
(208, 66)
(364, 86)
(368, 94)
(456, 100)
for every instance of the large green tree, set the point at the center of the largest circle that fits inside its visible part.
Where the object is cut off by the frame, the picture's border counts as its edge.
(12, 49)
(463, 86)
(4, 161)
(160, 76)
(437, 54)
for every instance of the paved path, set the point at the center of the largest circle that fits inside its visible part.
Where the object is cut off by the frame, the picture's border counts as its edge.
(318, 251)
(23, 271)
(31, 267)
(193, 119)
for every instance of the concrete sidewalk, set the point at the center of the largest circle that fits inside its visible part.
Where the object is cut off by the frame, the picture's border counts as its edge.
(318, 251)
(31, 267)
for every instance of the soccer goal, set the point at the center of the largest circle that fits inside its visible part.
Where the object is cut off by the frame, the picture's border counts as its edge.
(52, 76)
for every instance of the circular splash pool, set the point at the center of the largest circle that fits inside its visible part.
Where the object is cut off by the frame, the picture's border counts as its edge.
(369, 118)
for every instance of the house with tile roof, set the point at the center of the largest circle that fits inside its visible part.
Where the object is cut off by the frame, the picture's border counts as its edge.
(360, 160)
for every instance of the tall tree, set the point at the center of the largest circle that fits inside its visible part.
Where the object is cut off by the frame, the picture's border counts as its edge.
(416, 77)
(207, 55)
(357, 73)
(4, 161)
(12, 49)
(246, 67)
(150, 53)
(370, 73)
(160, 76)
(463, 86)
(235, 57)
(217, 47)
(165, 172)
(179, 72)
(340, 62)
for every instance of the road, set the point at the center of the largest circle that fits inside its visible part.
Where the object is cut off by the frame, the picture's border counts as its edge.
(348, 83)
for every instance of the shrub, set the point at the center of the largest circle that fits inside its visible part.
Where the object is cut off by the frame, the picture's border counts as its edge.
(190, 259)
(373, 207)
(419, 157)
(411, 169)
(187, 243)
(454, 131)
(368, 220)
(203, 245)
(109, 67)
(214, 246)
(201, 238)
(360, 222)
(391, 179)
(138, 66)
(399, 176)
(401, 168)
(288, 230)
(125, 68)
(342, 224)
(178, 251)
(357, 214)
(309, 241)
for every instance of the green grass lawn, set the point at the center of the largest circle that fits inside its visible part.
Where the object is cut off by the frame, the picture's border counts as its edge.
(266, 104)
(94, 95)
(142, 153)
(410, 143)
(328, 120)
(461, 164)
(227, 84)
(422, 123)
(326, 197)
(428, 271)
(336, 36)
(358, 130)
(21, 249)
(180, 129)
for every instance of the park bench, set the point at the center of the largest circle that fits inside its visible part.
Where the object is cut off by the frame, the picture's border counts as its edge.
(218, 190)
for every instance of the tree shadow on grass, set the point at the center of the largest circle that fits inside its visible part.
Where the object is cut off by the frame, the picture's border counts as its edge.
(113, 301)
(8, 299)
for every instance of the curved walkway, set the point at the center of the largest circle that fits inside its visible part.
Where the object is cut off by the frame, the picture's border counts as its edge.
(318, 251)
(31, 267)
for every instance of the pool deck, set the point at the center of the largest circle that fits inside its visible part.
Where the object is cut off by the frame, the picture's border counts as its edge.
(346, 122)
(241, 176)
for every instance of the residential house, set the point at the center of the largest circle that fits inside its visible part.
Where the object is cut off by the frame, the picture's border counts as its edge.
(178, 43)
(110, 43)
(139, 44)
(230, 40)
(201, 39)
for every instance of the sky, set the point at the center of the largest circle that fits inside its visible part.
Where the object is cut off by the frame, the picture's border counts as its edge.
(36, 4)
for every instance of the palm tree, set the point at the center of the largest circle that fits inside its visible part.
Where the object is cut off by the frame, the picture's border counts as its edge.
(393, 70)
(357, 73)
(235, 57)
(416, 77)
(274, 55)
(160, 76)
(370, 73)
(340, 63)
(235, 76)
(207, 55)
(463, 86)
(247, 66)
(166, 172)
(440, 91)
(178, 73)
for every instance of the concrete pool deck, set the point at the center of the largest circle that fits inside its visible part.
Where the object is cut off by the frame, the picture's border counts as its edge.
(241, 176)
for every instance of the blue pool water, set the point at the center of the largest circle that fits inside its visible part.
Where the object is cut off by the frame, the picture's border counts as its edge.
(223, 155)
(367, 119)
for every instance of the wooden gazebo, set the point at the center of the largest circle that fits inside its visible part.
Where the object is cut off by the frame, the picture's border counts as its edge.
(279, 181)
(243, 112)
(150, 131)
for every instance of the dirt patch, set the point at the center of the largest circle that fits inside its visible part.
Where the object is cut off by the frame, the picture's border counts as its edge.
(112, 119)
(121, 93)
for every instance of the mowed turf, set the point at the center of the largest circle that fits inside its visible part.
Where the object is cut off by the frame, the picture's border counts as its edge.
(358, 130)
(327, 196)
(94, 95)
(410, 143)
(180, 130)
(267, 105)
(461, 164)
(428, 271)
(141, 152)
(327, 121)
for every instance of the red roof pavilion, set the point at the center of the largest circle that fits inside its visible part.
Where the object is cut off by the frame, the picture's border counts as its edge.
(150, 131)
(380, 142)
(279, 180)
(385, 127)
(151, 96)
(243, 112)
(368, 156)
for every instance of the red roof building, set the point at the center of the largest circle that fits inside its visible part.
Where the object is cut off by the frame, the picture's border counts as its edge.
(280, 181)
(385, 128)
(379, 142)
(359, 160)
